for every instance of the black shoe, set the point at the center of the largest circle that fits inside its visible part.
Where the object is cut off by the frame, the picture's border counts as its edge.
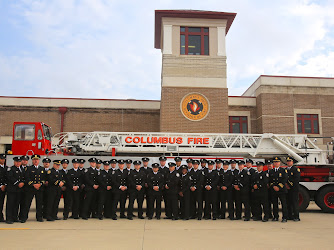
(246, 219)
(275, 219)
(65, 218)
(76, 218)
(193, 217)
(114, 218)
(16, 220)
(238, 218)
(100, 218)
(141, 217)
(122, 216)
(264, 220)
(256, 219)
(150, 218)
(284, 220)
(199, 218)
(297, 219)
(130, 218)
(133, 215)
(50, 219)
(206, 218)
(9, 222)
(185, 218)
(40, 220)
(231, 218)
(175, 218)
(214, 218)
(158, 218)
(167, 218)
(56, 218)
(23, 221)
(84, 218)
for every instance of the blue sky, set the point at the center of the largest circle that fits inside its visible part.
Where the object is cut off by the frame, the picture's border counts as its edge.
(105, 48)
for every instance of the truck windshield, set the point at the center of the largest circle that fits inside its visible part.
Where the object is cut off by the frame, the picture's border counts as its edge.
(47, 132)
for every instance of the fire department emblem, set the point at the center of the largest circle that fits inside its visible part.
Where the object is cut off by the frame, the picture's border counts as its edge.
(195, 106)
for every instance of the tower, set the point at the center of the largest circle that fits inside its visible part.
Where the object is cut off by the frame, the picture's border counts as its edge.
(194, 94)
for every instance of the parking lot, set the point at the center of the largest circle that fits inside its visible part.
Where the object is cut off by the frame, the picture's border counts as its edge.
(315, 230)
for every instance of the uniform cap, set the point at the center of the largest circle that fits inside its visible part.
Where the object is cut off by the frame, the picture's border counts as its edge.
(249, 160)
(35, 157)
(184, 167)
(177, 159)
(65, 161)
(171, 164)
(75, 160)
(137, 163)
(145, 159)
(25, 157)
(113, 161)
(259, 163)
(233, 161)
(2, 156)
(203, 160)
(128, 161)
(241, 162)
(211, 162)
(46, 160)
(92, 159)
(226, 162)
(17, 158)
(290, 159)
(98, 161)
(82, 161)
(57, 162)
(189, 160)
(106, 163)
(276, 159)
(162, 158)
(120, 161)
(269, 162)
(218, 161)
(196, 162)
(155, 165)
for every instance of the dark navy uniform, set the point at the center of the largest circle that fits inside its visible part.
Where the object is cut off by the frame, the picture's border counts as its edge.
(136, 178)
(65, 192)
(260, 194)
(15, 176)
(3, 183)
(196, 196)
(171, 204)
(234, 172)
(278, 177)
(119, 178)
(242, 180)
(211, 179)
(74, 179)
(83, 191)
(293, 190)
(34, 175)
(184, 193)
(226, 180)
(90, 179)
(155, 179)
(55, 177)
(104, 200)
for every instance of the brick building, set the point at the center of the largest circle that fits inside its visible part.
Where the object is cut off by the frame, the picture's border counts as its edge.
(194, 94)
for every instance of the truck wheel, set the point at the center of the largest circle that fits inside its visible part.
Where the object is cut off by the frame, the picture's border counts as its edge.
(304, 199)
(325, 199)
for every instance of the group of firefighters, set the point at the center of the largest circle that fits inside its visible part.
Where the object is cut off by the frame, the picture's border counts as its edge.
(200, 189)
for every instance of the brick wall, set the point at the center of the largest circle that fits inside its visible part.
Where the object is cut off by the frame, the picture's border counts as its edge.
(172, 120)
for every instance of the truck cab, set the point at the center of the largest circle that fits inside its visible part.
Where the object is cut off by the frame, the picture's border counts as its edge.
(34, 136)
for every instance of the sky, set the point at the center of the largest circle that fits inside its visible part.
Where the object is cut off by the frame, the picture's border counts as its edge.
(105, 48)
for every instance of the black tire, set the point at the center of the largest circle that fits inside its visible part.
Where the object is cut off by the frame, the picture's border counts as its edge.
(325, 199)
(304, 199)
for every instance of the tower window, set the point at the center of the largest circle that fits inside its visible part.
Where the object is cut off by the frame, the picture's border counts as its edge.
(307, 124)
(238, 124)
(194, 41)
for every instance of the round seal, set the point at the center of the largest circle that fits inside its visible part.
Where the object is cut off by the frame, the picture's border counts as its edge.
(195, 106)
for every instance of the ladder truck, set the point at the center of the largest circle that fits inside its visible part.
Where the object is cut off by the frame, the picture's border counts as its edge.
(317, 175)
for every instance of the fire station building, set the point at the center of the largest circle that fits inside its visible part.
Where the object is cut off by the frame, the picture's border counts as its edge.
(194, 93)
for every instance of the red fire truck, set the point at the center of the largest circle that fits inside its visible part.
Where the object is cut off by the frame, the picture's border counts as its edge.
(317, 177)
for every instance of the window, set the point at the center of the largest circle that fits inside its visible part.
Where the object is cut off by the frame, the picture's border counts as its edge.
(194, 41)
(25, 132)
(307, 124)
(238, 124)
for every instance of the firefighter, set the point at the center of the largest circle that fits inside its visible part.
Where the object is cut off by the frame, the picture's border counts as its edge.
(242, 186)
(204, 170)
(91, 189)
(235, 172)
(178, 161)
(74, 182)
(225, 184)
(293, 189)
(259, 185)
(104, 190)
(120, 186)
(163, 168)
(147, 170)
(64, 190)
(251, 170)
(24, 165)
(56, 180)
(172, 179)
(46, 164)
(277, 178)
(155, 183)
(210, 183)
(137, 180)
(219, 169)
(98, 165)
(35, 178)
(83, 191)
(196, 191)
(95, 204)
(15, 184)
(203, 163)
(113, 164)
(184, 193)
(270, 166)
(190, 164)
(128, 164)
(3, 183)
